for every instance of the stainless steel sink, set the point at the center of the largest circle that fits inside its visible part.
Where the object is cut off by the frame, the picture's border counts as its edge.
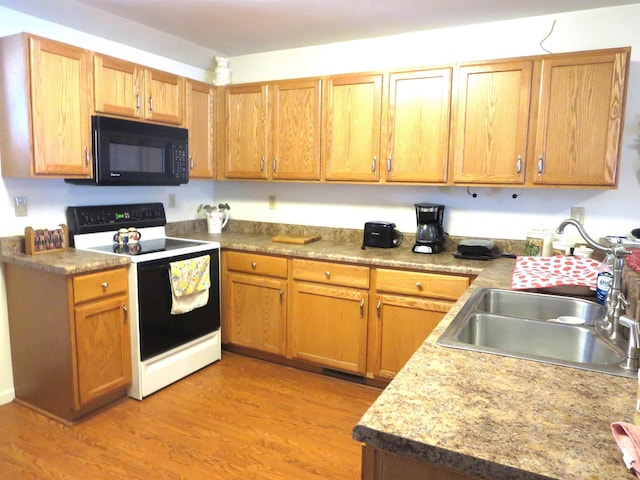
(526, 325)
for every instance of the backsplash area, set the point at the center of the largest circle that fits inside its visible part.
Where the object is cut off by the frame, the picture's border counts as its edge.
(349, 235)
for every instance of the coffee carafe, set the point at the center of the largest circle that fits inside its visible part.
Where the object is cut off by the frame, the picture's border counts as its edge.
(430, 235)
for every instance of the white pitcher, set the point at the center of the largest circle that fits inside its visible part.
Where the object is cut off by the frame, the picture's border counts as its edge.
(216, 221)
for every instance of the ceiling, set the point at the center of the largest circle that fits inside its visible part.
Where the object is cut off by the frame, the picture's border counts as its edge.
(239, 27)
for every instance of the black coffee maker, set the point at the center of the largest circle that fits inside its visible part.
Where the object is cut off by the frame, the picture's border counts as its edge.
(430, 235)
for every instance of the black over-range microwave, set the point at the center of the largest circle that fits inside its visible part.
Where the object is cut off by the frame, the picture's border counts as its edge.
(135, 153)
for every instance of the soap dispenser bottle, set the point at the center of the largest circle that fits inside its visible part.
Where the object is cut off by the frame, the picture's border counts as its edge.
(604, 278)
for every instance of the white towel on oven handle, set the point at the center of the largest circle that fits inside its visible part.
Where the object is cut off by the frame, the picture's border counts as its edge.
(190, 284)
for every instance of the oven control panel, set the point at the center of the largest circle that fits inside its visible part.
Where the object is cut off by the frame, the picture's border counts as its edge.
(91, 219)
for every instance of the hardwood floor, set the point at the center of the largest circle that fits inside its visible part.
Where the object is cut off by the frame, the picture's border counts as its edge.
(240, 418)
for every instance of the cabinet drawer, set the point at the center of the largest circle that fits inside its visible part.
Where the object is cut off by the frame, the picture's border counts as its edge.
(331, 273)
(92, 286)
(258, 264)
(435, 285)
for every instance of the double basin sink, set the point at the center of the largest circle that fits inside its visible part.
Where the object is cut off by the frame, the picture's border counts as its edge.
(533, 326)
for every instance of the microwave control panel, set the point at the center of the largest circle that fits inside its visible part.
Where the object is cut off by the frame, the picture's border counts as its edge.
(180, 163)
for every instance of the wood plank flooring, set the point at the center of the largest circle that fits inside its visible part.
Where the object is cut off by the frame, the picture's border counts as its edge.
(240, 418)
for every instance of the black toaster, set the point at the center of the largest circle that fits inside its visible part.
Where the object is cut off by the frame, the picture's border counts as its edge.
(381, 235)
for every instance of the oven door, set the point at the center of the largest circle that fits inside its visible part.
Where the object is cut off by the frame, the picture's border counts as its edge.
(159, 330)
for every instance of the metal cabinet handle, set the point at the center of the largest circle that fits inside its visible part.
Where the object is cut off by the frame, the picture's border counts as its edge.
(540, 164)
(275, 160)
(519, 165)
(104, 285)
(254, 265)
(87, 158)
(373, 163)
(362, 307)
(137, 102)
(327, 274)
(262, 165)
(281, 292)
(419, 285)
(379, 306)
(191, 163)
(389, 164)
(151, 104)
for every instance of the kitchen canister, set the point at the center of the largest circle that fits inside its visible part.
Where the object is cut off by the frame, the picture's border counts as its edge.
(539, 243)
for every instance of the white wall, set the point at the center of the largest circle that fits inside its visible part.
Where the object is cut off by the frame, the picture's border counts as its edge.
(47, 199)
(494, 213)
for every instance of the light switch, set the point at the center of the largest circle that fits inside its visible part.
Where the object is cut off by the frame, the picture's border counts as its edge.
(21, 206)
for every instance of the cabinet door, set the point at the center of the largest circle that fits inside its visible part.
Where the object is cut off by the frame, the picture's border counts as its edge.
(61, 109)
(117, 86)
(246, 131)
(352, 118)
(492, 118)
(328, 326)
(580, 119)
(102, 348)
(401, 325)
(256, 308)
(164, 97)
(200, 122)
(295, 133)
(416, 127)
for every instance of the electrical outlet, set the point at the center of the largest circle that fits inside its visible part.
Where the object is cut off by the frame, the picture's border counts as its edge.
(577, 213)
(172, 200)
(21, 206)
(272, 202)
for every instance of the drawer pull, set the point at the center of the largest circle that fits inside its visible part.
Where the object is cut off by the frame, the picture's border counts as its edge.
(281, 293)
(254, 265)
(105, 285)
(419, 285)
(362, 307)
(327, 274)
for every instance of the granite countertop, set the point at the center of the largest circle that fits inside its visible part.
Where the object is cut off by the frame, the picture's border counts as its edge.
(68, 262)
(486, 415)
(497, 417)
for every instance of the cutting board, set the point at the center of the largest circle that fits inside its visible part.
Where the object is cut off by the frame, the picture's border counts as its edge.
(298, 239)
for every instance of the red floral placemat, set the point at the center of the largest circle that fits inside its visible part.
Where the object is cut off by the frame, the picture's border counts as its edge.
(633, 260)
(544, 272)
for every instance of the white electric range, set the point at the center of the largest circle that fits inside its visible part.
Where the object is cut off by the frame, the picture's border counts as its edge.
(164, 347)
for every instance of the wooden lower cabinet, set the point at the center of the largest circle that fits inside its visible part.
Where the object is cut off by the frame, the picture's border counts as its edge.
(328, 314)
(254, 301)
(350, 318)
(401, 324)
(70, 339)
(380, 464)
(409, 305)
(328, 326)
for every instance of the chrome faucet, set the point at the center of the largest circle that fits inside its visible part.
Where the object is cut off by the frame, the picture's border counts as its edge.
(615, 303)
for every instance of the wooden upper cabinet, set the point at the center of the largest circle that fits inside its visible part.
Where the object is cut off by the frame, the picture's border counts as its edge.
(295, 132)
(272, 130)
(492, 122)
(246, 131)
(45, 106)
(164, 97)
(117, 86)
(416, 126)
(580, 117)
(200, 113)
(125, 89)
(352, 120)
